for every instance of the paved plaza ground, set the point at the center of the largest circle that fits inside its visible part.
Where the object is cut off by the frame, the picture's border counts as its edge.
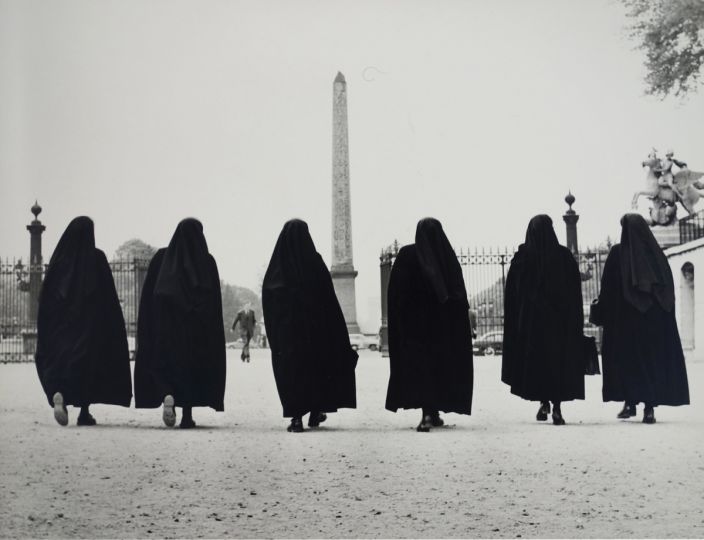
(365, 473)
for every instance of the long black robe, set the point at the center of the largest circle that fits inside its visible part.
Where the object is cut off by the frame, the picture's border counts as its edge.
(81, 339)
(430, 344)
(642, 358)
(313, 361)
(543, 355)
(181, 337)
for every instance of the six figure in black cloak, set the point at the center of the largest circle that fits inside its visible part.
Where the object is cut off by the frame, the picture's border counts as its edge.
(82, 356)
(543, 356)
(641, 350)
(430, 345)
(180, 359)
(311, 354)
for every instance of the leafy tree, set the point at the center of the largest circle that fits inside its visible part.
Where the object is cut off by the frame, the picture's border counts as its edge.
(671, 33)
(135, 249)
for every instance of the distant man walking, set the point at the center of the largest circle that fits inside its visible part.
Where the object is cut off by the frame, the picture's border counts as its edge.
(247, 322)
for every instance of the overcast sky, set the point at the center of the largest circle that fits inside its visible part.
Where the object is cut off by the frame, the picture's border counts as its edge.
(481, 114)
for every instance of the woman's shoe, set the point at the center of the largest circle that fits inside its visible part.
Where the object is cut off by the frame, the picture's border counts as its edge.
(86, 420)
(543, 411)
(60, 412)
(315, 419)
(296, 425)
(169, 413)
(425, 424)
(628, 411)
(648, 416)
(557, 418)
(436, 421)
(187, 423)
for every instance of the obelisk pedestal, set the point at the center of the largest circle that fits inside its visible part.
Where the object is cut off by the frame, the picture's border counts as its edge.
(342, 268)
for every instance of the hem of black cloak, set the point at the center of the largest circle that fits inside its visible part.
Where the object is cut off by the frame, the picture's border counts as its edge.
(654, 403)
(549, 398)
(466, 412)
(124, 402)
(330, 410)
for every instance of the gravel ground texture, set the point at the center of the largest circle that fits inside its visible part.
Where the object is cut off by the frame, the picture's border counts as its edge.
(363, 473)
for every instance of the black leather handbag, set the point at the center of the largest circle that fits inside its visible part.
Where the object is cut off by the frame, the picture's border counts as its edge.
(591, 357)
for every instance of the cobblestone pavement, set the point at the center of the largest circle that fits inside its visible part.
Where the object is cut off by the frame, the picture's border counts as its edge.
(364, 473)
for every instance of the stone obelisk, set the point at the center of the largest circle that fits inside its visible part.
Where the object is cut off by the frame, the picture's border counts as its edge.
(342, 269)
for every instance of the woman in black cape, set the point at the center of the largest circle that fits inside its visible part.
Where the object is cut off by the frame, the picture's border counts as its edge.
(180, 360)
(641, 351)
(82, 355)
(430, 344)
(543, 358)
(311, 354)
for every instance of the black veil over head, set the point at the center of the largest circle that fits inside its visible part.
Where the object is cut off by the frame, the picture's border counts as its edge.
(186, 269)
(645, 272)
(293, 258)
(542, 240)
(71, 271)
(438, 261)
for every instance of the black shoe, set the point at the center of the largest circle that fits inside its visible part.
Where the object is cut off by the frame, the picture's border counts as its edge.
(648, 416)
(557, 417)
(296, 425)
(543, 412)
(628, 411)
(436, 421)
(425, 424)
(187, 423)
(85, 420)
(315, 419)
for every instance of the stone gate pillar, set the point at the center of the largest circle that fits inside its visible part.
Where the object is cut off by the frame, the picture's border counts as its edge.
(571, 218)
(36, 263)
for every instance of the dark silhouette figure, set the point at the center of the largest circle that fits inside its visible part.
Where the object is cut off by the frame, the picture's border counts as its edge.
(180, 359)
(247, 321)
(311, 354)
(82, 355)
(642, 354)
(430, 344)
(543, 351)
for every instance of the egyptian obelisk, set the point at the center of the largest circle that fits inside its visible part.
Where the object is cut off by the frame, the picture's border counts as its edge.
(342, 269)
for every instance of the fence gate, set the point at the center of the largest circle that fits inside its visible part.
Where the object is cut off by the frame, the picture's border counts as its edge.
(18, 325)
(484, 272)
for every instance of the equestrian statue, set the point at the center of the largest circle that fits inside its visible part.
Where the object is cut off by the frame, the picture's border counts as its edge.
(665, 189)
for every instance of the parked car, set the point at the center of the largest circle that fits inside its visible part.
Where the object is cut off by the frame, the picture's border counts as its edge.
(489, 344)
(364, 341)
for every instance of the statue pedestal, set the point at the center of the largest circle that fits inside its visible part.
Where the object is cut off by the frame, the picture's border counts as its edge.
(668, 235)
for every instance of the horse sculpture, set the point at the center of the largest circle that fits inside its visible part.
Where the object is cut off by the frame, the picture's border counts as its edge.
(686, 189)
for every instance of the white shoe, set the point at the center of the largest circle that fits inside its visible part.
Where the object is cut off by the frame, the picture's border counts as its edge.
(60, 412)
(169, 415)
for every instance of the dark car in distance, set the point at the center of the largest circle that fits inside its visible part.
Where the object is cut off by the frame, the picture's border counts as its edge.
(489, 344)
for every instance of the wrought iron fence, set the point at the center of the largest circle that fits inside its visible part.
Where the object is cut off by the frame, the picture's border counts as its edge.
(692, 227)
(484, 272)
(17, 321)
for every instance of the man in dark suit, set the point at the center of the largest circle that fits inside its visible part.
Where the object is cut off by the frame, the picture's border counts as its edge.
(248, 323)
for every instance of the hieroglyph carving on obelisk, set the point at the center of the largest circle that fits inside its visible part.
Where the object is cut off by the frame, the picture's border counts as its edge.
(342, 269)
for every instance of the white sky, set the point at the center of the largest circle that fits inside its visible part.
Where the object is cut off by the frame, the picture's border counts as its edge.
(480, 113)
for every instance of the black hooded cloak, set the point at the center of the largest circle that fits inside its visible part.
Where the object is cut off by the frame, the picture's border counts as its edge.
(543, 355)
(81, 339)
(641, 351)
(430, 344)
(180, 335)
(311, 354)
